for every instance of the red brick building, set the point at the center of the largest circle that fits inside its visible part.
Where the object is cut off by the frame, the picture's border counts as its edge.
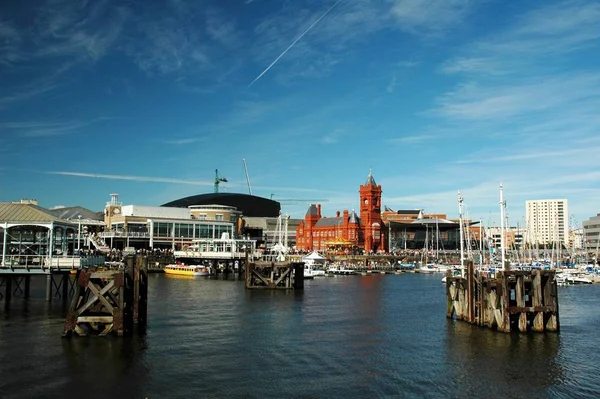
(346, 231)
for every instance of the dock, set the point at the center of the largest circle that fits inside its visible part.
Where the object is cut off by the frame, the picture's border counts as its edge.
(110, 301)
(275, 275)
(511, 300)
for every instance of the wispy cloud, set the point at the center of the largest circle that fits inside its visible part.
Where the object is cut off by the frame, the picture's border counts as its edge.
(493, 100)
(430, 17)
(416, 139)
(184, 141)
(86, 29)
(39, 129)
(10, 40)
(166, 48)
(65, 34)
(541, 153)
(222, 29)
(194, 42)
(333, 137)
(399, 71)
(539, 36)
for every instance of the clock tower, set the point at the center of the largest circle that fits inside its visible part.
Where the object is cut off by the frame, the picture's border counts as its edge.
(370, 213)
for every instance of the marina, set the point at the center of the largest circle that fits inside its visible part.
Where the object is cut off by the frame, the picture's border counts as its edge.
(299, 199)
(343, 332)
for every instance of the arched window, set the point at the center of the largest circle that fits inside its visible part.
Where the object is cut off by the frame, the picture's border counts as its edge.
(375, 230)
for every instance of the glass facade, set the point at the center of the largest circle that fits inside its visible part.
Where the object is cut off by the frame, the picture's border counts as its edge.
(191, 230)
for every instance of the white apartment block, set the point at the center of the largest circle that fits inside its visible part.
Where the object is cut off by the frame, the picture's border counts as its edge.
(547, 221)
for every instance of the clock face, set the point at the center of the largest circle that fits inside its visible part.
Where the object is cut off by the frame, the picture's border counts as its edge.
(366, 202)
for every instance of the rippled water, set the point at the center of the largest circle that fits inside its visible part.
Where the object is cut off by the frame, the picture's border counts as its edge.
(346, 336)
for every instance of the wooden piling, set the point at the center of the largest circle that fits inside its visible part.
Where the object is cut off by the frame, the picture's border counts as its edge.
(512, 300)
(274, 276)
(8, 292)
(27, 286)
(109, 301)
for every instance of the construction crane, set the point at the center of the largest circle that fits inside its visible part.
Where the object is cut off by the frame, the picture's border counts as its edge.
(218, 180)
(247, 177)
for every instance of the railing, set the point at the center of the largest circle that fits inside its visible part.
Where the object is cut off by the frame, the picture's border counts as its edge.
(43, 263)
(121, 234)
(213, 254)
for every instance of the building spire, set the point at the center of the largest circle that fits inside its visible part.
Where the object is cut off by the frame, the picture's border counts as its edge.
(370, 179)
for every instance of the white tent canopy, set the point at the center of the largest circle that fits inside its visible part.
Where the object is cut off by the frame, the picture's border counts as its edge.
(314, 255)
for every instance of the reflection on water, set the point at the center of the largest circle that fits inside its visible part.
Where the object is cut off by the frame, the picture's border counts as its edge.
(346, 336)
(509, 365)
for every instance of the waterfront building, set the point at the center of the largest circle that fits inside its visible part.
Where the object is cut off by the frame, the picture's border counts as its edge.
(547, 221)
(347, 231)
(415, 229)
(35, 236)
(166, 227)
(248, 205)
(591, 233)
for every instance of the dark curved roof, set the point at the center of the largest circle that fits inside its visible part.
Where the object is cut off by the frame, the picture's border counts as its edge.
(249, 205)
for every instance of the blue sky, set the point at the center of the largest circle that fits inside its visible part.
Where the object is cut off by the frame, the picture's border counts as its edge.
(147, 99)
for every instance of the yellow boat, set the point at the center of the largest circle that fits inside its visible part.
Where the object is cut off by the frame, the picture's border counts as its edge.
(181, 269)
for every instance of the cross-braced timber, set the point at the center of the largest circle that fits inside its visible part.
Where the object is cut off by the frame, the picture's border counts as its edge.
(109, 301)
(275, 276)
(512, 300)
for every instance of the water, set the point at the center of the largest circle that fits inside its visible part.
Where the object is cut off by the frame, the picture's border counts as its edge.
(346, 336)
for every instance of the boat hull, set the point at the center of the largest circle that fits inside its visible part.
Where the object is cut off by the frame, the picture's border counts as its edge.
(192, 271)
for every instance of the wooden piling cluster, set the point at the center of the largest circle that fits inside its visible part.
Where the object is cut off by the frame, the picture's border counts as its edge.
(511, 300)
(275, 276)
(110, 301)
(21, 287)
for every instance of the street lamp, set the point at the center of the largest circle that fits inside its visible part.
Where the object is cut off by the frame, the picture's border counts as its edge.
(78, 233)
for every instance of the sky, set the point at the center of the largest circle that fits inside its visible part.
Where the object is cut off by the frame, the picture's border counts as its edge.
(148, 98)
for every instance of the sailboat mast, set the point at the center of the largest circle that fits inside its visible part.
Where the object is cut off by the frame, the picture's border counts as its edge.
(460, 221)
(480, 245)
(502, 239)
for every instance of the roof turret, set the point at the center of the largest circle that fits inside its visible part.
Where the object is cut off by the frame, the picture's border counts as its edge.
(353, 217)
(370, 180)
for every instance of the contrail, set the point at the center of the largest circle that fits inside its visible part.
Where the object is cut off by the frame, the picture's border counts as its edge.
(131, 178)
(157, 179)
(294, 42)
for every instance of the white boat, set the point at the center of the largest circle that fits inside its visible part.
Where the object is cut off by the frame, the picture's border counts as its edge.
(571, 278)
(428, 268)
(577, 279)
(314, 265)
(224, 248)
(340, 270)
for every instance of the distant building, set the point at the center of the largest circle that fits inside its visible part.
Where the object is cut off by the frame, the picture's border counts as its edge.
(415, 229)
(166, 227)
(577, 238)
(591, 233)
(547, 221)
(514, 237)
(346, 231)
